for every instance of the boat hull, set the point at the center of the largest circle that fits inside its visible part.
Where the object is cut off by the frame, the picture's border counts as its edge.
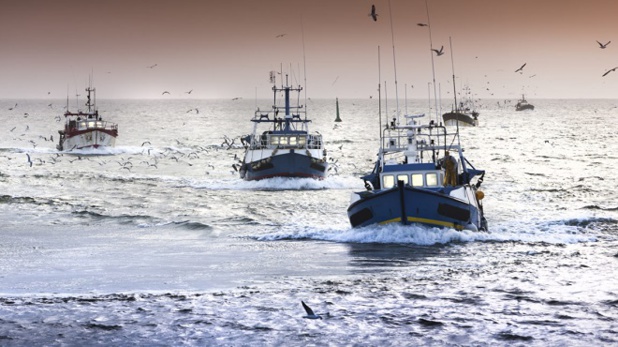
(287, 164)
(88, 139)
(524, 107)
(407, 205)
(451, 119)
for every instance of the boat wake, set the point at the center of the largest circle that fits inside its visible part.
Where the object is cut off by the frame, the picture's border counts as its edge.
(569, 231)
(282, 183)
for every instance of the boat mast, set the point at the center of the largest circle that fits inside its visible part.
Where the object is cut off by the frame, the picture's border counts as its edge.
(379, 97)
(390, 10)
(302, 30)
(450, 42)
(433, 70)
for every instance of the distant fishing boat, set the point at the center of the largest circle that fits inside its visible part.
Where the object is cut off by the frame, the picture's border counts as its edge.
(83, 130)
(522, 104)
(420, 177)
(463, 114)
(285, 148)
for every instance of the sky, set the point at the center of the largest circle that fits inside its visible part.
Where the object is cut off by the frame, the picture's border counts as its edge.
(137, 49)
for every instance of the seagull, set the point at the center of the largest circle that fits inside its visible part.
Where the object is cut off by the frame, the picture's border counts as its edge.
(145, 142)
(603, 46)
(521, 68)
(373, 13)
(152, 66)
(310, 314)
(439, 52)
(29, 161)
(610, 70)
(422, 24)
(165, 92)
(189, 92)
(280, 35)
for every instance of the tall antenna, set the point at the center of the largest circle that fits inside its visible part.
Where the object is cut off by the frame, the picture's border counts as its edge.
(302, 30)
(379, 97)
(390, 10)
(433, 70)
(454, 88)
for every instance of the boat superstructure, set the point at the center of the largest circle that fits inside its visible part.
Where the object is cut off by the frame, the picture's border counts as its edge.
(420, 177)
(281, 144)
(86, 129)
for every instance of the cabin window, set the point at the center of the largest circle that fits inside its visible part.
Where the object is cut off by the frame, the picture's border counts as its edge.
(293, 140)
(90, 124)
(388, 181)
(283, 140)
(302, 140)
(417, 180)
(403, 178)
(432, 179)
(274, 140)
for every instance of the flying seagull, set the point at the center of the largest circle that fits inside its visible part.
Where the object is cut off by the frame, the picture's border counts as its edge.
(189, 92)
(151, 66)
(310, 314)
(521, 68)
(165, 92)
(610, 70)
(439, 52)
(373, 13)
(280, 35)
(29, 161)
(422, 24)
(603, 46)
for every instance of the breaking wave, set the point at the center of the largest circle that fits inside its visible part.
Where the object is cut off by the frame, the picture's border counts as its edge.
(554, 232)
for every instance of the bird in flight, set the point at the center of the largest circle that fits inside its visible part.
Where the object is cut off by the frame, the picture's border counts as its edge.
(521, 68)
(439, 52)
(422, 24)
(603, 46)
(189, 92)
(165, 92)
(280, 35)
(610, 70)
(310, 313)
(373, 13)
(29, 161)
(152, 66)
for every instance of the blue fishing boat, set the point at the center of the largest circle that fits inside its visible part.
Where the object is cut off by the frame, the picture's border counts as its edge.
(420, 177)
(286, 148)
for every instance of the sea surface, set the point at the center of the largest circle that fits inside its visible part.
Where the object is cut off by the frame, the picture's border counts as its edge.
(158, 242)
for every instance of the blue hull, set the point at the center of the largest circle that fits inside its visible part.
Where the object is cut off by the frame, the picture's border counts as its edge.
(285, 165)
(409, 205)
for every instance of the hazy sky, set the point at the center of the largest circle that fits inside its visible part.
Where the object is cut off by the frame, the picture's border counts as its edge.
(226, 48)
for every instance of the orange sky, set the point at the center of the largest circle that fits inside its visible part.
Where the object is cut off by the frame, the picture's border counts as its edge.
(225, 49)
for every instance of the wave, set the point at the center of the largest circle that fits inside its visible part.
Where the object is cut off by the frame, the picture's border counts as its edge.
(569, 231)
(282, 183)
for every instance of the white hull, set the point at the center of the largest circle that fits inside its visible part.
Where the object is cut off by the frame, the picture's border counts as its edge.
(92, 139)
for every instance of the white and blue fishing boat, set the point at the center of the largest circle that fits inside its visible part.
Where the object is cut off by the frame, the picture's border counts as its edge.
(281, 144)
(421, 177)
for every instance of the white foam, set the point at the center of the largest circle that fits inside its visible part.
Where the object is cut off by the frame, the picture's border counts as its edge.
(281, 183)
(550, 232)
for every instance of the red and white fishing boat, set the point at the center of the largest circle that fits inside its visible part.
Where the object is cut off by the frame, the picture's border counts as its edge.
(84, 130)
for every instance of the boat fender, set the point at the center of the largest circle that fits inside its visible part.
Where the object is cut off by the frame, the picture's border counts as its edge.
(479, 195)
(471, 227)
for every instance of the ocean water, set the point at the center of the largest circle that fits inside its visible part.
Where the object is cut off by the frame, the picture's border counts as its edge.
(158, 242)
